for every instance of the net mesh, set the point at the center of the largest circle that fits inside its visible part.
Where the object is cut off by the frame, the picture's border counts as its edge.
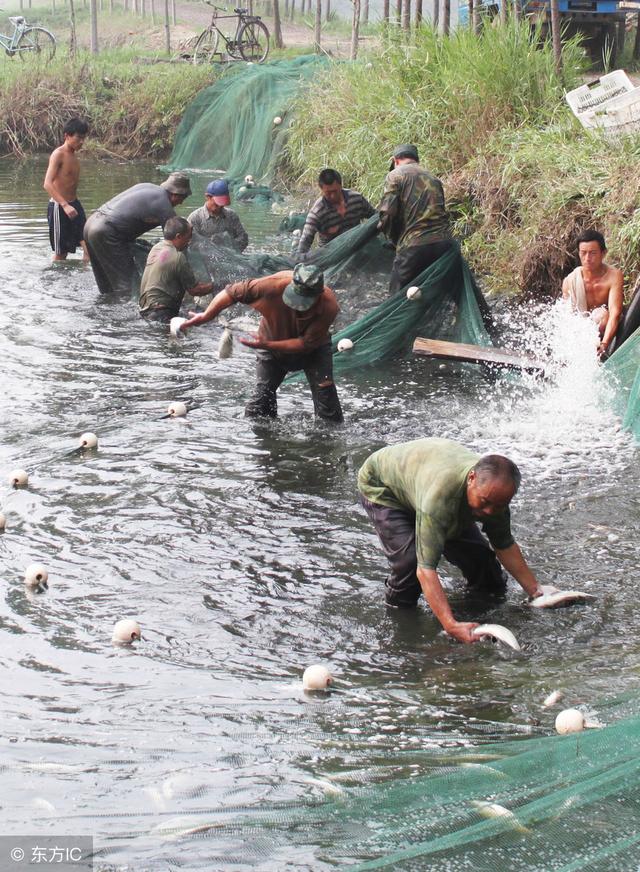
(229, 127)
(623, 369)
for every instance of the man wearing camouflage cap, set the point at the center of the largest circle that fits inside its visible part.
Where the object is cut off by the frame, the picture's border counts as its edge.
(297, 311)
(413, 217)
(113, 228)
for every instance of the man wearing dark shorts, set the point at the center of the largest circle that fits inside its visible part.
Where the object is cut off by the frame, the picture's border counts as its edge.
(413, 217)
(65, 214)
(113, 228)
(297, 311)
(425, 498)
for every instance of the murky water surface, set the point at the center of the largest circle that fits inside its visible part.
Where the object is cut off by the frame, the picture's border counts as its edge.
(243, 553)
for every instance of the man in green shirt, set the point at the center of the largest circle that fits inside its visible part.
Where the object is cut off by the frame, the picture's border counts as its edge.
(424, 499)
(168, 275)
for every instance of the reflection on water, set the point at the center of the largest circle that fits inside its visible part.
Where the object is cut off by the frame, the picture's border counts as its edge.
(241, 550)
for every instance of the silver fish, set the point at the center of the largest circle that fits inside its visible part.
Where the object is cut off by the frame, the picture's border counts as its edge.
(499, 633)
(552, 597)
(225, 345)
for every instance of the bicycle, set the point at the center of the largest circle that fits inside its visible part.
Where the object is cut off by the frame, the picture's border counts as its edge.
(249, 43)
(28, 39)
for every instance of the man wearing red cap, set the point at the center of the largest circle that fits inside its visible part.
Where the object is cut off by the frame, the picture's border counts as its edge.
(215, 222)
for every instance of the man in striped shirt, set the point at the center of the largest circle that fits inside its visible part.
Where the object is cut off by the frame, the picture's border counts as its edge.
(337, 210)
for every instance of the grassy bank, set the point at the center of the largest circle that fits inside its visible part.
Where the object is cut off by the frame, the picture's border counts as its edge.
(489, 116)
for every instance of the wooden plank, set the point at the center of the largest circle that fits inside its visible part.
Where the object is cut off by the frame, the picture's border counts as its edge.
(477, 354)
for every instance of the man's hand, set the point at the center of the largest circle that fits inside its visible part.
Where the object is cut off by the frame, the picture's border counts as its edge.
(462, 631)
(195, 319)
(252, 342)
(602, 348)
(70, 212)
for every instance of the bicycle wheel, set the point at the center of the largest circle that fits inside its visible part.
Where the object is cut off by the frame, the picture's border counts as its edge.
(36, 41)
(253, 42)
(206, 46)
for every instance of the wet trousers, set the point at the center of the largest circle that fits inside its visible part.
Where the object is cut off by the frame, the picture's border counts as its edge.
(470, 552)
(410, 262)
(271, 371)
(111, 256)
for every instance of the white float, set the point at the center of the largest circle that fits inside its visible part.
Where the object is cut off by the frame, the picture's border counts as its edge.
(126, 631)
(277, 120)
(414, 293)
(36, 575)
(296, 232)
(570, 721)
(345, 345)
(18, 478)
(175, 326)
(317, 678)
(499, 633)
(249, 181)
(177, 410)
(88, 440)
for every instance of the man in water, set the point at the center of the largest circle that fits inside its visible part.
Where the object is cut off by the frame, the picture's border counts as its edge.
(297, 311)
(595, 288)
(215, 222)
(65, 214)
(113, 228)
(424, 499)
(337, 210)
(413, 217)
(168, 275)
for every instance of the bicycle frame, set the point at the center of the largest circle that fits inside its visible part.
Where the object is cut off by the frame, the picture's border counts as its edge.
(241, 21)
(10, 43)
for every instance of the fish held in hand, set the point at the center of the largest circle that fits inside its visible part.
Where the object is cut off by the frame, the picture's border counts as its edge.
(498, 633)
(553, 598)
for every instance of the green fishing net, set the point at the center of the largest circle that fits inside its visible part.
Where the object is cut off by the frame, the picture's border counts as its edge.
(623, 370)
(229, 128)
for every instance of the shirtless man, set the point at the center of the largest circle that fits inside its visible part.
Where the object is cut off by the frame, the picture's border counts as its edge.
(65, 213)
(595, 288)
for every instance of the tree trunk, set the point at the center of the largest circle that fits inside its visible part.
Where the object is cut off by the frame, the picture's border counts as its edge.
(398, 11)
(167, 28)
(153, 11)
(143, 8)
(406, 15)
(277, 26)
(418, 18)
(446, 17)
(503, 11)
(355, 29)
(72, 29)
(328, 14)
(21, 5)
(53, 6)
(365, 12)
(636, 45)
(435, 14)
(286, 9)
(292, 10)
(555, 35)
(474, 14)
(385, 11)
(317, 30)
(93, 12)
(173, 12)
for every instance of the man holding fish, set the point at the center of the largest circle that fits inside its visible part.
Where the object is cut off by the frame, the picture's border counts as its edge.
(425, 498)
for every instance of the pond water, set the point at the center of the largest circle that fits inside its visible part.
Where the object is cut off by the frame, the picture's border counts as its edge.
(243, 553)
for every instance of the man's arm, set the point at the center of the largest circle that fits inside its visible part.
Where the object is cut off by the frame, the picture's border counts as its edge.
(220, 302)
(614, 304)
(389, 205)
(200, 289)
(55, 162)
(439, 605)
(515, 564)
(565, 288)
(240, 235)
(308, 233)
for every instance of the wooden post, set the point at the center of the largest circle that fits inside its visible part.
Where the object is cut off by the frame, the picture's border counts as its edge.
(317, 30)
(474, 15)
(292, 10)
(398, 11)
(503, 11)
(555, 34)
(286, 9)
(173, 12)
(446, 17)
(167, 28)
(406, 15)
(435, 14)
(328, 12)
(53, 6)
(72, 29)
(385, 11)
(418, 16)
(277, 26)
(21, 5)
(153, 12)
(636, 45)
(355, 29)
(365, 12)
(93, 13)
(143, 8)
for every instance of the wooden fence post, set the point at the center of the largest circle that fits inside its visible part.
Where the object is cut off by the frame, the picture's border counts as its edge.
(355, 29)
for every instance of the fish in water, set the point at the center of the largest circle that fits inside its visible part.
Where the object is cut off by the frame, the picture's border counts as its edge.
(552, 597)
(494, 810)
(225, 346)
(554, 697)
